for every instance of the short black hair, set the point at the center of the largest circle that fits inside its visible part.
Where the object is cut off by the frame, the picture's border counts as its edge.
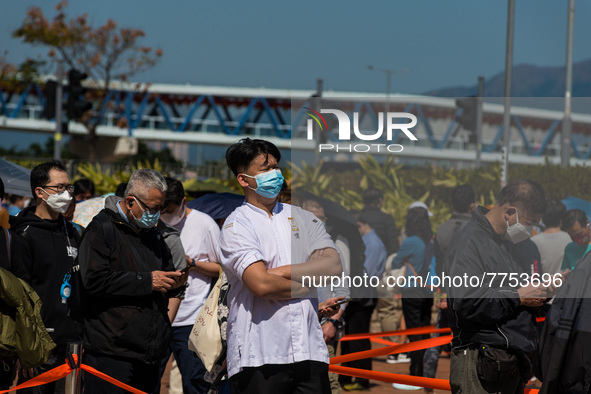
(372, 196)
(573, 216)
(14, 198)
(241, 154)
(529, 195)
(120, 191)
(175, 192)
(462, 197)
(418, 223)
(360, 217)
(40, 174)
(555, 212)
(1, 190)
(83, 185)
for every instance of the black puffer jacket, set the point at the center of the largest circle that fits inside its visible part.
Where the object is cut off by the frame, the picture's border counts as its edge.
(123, 317)
(52, 245)
(488, 313)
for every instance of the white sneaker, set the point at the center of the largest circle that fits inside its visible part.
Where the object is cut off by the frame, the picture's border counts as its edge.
(397, 358)
(401, 386)
(403, 358)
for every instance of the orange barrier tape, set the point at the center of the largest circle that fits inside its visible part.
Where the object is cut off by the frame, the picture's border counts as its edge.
(403, 348)
(439, 384)
(410, 331)
(62, 371)
(383, 342)
(46, 377)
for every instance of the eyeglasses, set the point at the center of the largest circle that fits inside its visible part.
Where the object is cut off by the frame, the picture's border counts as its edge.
(150, 210)
(61, 187)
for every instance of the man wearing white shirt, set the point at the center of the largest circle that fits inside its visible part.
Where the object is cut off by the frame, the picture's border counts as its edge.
(200, 238)
(275, 342)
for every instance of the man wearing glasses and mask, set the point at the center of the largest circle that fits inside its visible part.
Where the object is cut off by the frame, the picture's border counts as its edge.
(53, 246)
(127, 278)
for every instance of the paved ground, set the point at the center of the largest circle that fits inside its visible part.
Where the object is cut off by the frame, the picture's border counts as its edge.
(379, 364)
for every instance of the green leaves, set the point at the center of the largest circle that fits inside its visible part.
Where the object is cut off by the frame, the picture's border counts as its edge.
(433, 185)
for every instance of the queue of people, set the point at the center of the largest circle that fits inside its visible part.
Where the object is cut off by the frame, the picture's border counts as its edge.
(130, 286)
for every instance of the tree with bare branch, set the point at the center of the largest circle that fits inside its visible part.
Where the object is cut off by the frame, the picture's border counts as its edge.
(105, 53)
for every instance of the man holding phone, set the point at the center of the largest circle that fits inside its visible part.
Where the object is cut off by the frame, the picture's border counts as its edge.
(127, 277)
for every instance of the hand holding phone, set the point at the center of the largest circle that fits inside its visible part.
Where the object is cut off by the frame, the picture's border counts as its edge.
(328, 310)
(341, 302)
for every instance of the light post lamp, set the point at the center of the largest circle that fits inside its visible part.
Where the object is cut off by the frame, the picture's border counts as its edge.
(388, 73)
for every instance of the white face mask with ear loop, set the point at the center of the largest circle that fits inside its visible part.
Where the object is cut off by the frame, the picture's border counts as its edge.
(58, 202)
(518, 232)
(174, 218)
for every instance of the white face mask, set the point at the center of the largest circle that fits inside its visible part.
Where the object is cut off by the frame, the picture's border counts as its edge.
(174, 218)
(58, 202)
(518, 232)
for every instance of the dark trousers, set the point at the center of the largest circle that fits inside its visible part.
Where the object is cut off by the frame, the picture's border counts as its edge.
(417, 313)
(357, 320)
(463, 376)
(137, 374)
(57, 358)
(191, 368)
(306, 377)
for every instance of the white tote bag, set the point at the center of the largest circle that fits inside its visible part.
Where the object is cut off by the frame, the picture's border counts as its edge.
(205, 339)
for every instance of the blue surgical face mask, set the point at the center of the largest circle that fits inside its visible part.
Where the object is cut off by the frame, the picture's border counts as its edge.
(268, 183)
(148, 220)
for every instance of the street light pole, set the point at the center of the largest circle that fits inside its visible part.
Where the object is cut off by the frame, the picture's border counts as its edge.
(507, 102)
(388, 85)
(388, 73)
(567, 121)
(57, 143)
(479, 114)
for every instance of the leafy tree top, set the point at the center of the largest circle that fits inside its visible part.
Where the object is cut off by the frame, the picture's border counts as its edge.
(105, 52)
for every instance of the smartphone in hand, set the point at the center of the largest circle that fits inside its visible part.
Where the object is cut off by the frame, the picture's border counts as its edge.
(339, 302)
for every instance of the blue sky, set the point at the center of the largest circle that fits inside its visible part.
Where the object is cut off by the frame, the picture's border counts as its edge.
(280, 44)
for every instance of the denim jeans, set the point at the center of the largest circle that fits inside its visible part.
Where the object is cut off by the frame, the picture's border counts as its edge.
(431, 357)
(190, 366)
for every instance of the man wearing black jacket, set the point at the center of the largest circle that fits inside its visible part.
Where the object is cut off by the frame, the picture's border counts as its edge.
(491, 313)
(128, 276)
(53, 246)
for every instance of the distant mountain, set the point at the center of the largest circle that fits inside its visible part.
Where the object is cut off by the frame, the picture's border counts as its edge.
(529, 81)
